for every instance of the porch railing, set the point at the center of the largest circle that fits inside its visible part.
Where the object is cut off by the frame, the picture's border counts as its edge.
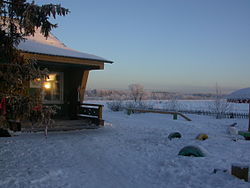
(93, 112)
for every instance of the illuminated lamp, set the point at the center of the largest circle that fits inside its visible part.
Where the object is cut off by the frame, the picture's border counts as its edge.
(47, 85)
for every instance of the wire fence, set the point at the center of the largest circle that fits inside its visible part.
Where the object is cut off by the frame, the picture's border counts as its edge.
(119, 106)
(230, 115)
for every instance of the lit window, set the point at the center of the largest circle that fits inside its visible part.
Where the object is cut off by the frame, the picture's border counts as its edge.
(53, 88)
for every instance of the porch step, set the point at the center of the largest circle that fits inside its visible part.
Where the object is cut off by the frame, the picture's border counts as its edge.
(62, 125)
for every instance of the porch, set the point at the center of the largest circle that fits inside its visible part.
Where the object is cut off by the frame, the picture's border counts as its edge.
(89, 117)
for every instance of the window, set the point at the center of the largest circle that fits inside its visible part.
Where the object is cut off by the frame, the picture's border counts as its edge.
(53, 89)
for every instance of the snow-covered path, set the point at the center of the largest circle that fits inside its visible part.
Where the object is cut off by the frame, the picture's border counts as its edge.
(130, 151)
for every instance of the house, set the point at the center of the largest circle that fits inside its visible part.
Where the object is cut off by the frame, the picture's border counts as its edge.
(69, 70)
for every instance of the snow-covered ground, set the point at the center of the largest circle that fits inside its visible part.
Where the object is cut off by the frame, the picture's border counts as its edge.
(129, 151)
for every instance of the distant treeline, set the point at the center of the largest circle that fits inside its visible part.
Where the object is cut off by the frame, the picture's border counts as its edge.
(108, 94)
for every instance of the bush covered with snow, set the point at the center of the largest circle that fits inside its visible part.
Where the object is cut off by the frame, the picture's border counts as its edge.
(115, 105)
(124, 105)
(172, 105)
(137, 105)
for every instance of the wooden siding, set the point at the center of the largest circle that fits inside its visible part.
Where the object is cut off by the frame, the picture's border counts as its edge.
(60, 59)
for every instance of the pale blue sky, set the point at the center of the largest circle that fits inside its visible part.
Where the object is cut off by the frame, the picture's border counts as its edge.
(170, 45)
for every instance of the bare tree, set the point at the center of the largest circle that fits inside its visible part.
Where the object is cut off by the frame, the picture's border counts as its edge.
(219, 106)
(172, 104)
(136, 91)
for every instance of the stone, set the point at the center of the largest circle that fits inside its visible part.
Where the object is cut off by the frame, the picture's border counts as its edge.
(202, 136)
(194, 151)
(174, 135)
(217, 170)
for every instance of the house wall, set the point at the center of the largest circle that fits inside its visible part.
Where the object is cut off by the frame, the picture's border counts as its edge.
(72, 79)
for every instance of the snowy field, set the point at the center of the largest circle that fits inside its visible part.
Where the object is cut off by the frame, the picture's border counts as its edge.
(203, 105)
(128, 152)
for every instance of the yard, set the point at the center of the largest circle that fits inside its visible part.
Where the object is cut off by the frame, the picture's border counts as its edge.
(129, 151)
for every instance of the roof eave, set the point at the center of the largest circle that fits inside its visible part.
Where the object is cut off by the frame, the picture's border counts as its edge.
(65, 59)
(90, 59)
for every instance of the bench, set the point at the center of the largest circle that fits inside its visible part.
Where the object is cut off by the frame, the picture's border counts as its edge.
(160, 112)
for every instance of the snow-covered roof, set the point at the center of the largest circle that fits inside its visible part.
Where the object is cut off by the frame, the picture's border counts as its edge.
(38, 44)
(241, 96)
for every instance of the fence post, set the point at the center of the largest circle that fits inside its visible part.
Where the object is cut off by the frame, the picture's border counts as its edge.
(175, 116)
(100, 112)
